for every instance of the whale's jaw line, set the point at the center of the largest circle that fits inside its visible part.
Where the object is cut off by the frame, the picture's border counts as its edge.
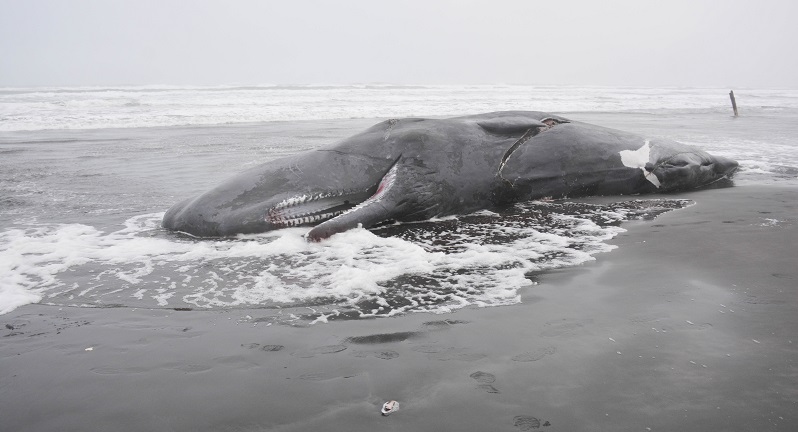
(315, 208)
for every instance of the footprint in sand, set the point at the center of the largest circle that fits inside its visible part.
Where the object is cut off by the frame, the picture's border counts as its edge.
(109, 370)
(436, 352)
(483, 377)
(762, 300)
(442, 324)
(191, 368)
(383, 355)
(383, 338)
(689, 325)
(313, 352)
(646, 318)
(327, 375)
(271, 348)
(17, 324)
(563, 326)
(535, 354)
(526, 423)
(485, 381)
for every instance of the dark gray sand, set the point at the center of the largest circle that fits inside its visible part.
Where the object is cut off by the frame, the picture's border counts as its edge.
(690, 325)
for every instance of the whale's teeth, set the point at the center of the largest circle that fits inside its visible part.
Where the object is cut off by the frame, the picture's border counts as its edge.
(305, 198)
(286, 214)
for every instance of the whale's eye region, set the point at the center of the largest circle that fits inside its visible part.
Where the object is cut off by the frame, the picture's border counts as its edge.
(677, 163)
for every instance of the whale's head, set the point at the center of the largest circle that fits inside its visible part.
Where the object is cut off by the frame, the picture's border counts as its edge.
(281, 194)
(578, 159)
(671, 166)
(690, 170)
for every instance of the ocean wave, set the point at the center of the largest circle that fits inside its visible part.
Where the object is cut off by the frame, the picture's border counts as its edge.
(161, 105)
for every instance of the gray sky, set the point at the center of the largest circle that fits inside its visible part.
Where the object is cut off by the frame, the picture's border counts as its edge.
(580, 42)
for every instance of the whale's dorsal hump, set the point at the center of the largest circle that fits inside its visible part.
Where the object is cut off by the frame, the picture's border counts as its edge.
(510, 125)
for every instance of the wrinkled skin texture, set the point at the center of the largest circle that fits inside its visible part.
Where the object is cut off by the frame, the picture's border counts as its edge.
(414, 169)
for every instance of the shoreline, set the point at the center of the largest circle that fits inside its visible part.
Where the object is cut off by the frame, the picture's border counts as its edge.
(690, 323)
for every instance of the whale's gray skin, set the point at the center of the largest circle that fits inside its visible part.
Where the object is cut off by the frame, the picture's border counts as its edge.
(414, 169)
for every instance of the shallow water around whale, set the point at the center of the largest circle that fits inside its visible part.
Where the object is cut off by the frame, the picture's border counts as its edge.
(80, 214)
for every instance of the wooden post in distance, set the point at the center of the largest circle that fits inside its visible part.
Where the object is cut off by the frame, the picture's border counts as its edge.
(734, 102)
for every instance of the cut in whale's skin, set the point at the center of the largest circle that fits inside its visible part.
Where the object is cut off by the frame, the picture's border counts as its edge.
(414, 169)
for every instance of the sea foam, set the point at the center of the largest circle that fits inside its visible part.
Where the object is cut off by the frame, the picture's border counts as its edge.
(482, 259)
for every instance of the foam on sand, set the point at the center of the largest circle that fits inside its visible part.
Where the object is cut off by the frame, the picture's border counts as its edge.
(482, 259)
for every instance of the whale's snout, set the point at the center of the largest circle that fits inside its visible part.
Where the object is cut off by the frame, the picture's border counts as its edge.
(725, 167)
(198, 218)
(689, 170)
(170, 221)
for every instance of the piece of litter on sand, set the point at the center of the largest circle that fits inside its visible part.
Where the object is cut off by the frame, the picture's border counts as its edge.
(389, 407)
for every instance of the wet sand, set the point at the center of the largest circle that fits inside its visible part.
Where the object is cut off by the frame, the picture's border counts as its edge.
(691, 325)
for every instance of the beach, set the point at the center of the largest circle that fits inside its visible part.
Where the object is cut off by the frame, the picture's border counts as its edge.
(689, 324)
(636, 313)
(425, 216)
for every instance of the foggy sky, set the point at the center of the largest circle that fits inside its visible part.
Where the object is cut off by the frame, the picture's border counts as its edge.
(626, 43)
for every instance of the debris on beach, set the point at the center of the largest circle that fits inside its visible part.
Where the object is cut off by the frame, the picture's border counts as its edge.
(389, 407)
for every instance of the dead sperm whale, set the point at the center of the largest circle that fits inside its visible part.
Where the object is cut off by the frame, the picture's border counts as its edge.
(415, 169)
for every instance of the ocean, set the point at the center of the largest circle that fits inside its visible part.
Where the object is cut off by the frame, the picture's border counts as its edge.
(87, 173)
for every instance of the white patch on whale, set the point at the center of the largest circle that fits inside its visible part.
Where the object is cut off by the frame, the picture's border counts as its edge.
(638, 159)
